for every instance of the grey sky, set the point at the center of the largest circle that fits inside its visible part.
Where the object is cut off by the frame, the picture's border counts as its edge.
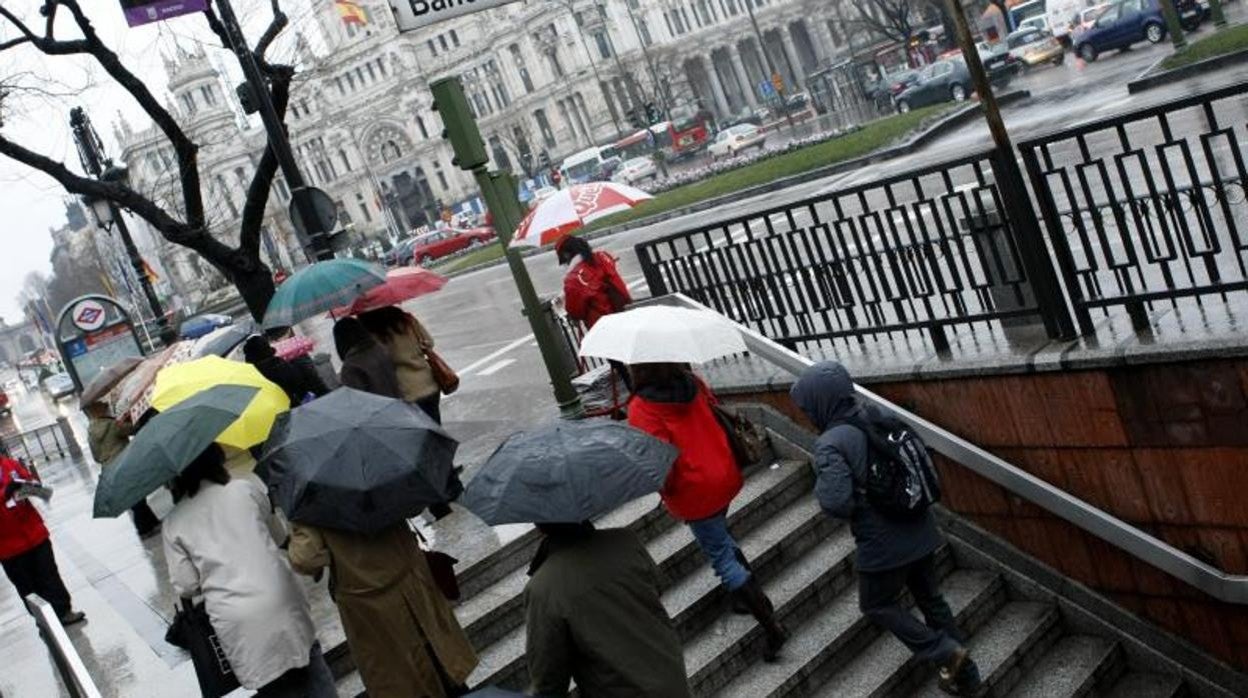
(30, 202)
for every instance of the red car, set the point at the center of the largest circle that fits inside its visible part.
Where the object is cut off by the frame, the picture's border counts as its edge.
(442, 243)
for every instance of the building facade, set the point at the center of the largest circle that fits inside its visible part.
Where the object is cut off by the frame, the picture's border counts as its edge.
(545, 78)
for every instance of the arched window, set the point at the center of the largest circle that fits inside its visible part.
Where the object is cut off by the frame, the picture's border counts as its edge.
(390, 151)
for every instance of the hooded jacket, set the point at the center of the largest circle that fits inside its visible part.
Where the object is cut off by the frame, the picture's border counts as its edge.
(825, 392)
(21, 527)
(705, 477)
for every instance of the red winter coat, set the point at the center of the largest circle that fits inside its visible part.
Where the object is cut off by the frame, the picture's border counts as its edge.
(705, 477)
(585, 289)
(21, 527)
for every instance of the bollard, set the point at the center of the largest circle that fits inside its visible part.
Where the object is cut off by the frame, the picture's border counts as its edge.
(75, 451)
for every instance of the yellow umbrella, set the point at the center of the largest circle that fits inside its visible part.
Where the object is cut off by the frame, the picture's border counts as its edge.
(177, 383)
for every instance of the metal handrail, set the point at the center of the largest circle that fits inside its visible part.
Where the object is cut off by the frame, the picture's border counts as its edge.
(73, 672)
(1226, 587)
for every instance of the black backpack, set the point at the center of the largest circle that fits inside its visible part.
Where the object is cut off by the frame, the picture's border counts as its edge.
(901, 481)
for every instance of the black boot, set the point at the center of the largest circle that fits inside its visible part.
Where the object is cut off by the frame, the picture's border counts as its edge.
(738, 606)
(753, 598)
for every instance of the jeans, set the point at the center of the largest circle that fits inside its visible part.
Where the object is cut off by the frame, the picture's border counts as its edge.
(879, 597)
(311, 681)
(719, 547)
(35, 572)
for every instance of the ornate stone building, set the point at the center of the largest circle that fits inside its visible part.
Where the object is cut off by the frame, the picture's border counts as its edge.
(545, 78)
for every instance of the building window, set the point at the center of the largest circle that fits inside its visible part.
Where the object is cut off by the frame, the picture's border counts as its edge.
(344, 216)
(432, 49)
(555, 66)
(420, 126)
(350, 82)
(442, 42)
(338, 83)
(518, 58)
(604, 48)
(282, 191)
(437, 171)
(209, 98)
(359, 74)
(548, 136)
(644, 30)
(454, 38)
(372, 77)
(188, 102)
(363, 205)
(381, 67)
(346, 164)
(668, 20)
(390, 151)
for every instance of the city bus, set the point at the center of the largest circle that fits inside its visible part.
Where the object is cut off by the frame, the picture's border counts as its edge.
(687, 133)
(589, 165)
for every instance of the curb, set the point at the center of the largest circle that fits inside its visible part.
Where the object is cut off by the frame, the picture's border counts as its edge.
(939, 128)
(1150, 79)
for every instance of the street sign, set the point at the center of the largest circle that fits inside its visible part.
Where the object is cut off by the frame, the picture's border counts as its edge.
(777, 82)
(766, 90)
(93, 333)
(139, 12)
(411, 15)
(326, 214)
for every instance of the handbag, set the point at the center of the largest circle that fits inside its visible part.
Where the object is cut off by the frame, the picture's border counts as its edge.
(747, 441)
(442, 567)
(192, 631)
(443, 374)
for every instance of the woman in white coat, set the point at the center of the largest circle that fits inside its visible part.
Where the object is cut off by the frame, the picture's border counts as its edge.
(219, 543)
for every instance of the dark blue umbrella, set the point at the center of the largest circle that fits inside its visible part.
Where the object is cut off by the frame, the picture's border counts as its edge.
(568, 472)
(355, 461)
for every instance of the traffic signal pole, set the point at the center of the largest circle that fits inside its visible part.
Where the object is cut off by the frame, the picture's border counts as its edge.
(499, 191)
(771, 68)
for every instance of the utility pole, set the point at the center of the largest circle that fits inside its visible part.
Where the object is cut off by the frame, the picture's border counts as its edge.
(319, 237)
(629, 82)
(771, 68)
(96, 164)
(660, 90)
(499, 191)
(580, 30)
(1015, 199)
(1172, 24)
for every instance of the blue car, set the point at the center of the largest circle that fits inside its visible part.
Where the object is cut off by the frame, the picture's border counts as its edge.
(1128, 22)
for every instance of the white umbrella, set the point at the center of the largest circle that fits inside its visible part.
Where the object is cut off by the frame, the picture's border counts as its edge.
(661, 334)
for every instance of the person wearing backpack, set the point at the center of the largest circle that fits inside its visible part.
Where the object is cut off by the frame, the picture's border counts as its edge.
(874, 472)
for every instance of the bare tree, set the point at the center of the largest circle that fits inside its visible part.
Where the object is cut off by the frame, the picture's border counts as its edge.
(895, 20)
(187, 223)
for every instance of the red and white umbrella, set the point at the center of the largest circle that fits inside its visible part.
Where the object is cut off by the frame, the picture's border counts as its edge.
(569, 209)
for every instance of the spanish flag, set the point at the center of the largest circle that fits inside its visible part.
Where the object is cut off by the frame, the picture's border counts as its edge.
(351, 12)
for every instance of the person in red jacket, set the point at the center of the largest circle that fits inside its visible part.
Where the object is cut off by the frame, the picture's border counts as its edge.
(592, 287)
(25, 548)
(673, 405)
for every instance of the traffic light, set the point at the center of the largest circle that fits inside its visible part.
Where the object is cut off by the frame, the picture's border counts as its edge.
(635, 118)
(652, 114)
(461, 128)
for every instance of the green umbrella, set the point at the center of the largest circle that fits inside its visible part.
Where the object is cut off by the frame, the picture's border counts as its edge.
(320, 288)
(168, 443)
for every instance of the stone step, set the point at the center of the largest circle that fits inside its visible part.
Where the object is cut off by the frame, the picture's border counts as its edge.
(697, 599)
(834, 635)
(1138, 684)
(1011, 642)
(1076, 666)
(491, 613)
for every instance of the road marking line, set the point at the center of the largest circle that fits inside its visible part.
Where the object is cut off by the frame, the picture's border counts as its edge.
(637, 283)
(496, 367)
(494, 356)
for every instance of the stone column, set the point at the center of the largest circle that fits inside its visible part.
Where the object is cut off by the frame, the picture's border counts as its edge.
(743, 76)
(712, 76)
(789, 53)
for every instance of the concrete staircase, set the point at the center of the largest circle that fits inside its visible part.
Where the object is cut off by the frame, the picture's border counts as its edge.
(1028, 641)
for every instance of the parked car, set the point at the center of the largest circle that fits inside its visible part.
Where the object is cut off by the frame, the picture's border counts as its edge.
(998, 61)
(745, 116)
(942, 81)
(59, 385)
(401, 254)
(442, 243)
(540, 195)
(733, 140)
(635, 170)
(1039, 22)
(1034, 47)
(1087, 19)
(1128, 22)
(200, 325)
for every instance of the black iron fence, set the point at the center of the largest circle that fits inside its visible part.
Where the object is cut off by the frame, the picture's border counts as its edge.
(918, 252)
(1148, 207)
(44, 443)
(1143, 209)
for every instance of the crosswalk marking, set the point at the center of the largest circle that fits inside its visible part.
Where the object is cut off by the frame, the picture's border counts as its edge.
(496, 367)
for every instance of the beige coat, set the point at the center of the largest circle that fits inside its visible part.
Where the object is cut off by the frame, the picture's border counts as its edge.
(392, 611)
(407, 351)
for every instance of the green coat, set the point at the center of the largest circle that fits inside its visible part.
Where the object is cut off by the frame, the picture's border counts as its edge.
(106, 439)
(594, 616)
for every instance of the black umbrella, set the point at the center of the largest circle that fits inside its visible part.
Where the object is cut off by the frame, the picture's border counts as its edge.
(568, 472)
(356, 461)
(227, 338)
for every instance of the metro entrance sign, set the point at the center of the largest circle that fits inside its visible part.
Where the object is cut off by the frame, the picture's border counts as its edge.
(418, 14)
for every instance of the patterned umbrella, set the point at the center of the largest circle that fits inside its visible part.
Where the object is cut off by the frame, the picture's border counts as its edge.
(572, 208)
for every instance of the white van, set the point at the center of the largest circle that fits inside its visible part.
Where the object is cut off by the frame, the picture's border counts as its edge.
(1025, 11)
(1063, 17)
(588, 165)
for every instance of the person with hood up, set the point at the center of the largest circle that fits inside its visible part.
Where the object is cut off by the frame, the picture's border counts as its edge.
(673, 405)
(366, 365)
(593, 286)
(892, 555)
(594, 615)
(107, 438)
(296, 382)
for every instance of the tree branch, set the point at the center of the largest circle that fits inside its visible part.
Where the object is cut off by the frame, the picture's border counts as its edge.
(262, 181)
(187, 151)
